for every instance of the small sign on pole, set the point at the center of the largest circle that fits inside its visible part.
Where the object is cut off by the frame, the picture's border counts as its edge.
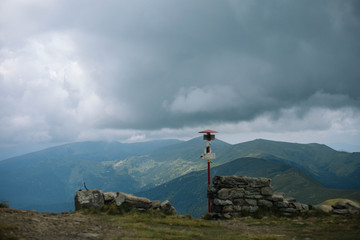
(208, 137)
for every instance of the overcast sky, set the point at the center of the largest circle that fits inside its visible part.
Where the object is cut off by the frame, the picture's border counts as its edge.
(141, 70)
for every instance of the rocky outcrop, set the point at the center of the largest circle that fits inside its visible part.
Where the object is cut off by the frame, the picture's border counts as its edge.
(95, 198)
(342, 207)
(234, 196)
(345, 207)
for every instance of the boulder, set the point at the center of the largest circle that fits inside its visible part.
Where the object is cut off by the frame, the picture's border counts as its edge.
(324, 208)
(109, 196)
(166, 208)
(155, 204)
(93, 198)
(134, 201)
(346, 207)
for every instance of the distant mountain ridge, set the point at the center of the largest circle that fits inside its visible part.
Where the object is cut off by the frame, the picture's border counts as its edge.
(331, 168)
(188, 193)
(56, 173)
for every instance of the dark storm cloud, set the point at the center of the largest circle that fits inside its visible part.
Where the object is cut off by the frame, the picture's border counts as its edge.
(173, 64)
(272, 55)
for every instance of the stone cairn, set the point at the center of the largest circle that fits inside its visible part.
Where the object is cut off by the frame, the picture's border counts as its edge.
(95, 198)
(233, 196)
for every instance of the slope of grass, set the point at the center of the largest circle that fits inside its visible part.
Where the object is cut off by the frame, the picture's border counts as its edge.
(151, 225)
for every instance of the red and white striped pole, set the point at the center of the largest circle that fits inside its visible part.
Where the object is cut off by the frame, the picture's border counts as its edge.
(208, 155)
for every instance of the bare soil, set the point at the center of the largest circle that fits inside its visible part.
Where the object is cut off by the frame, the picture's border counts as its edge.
(24, 224)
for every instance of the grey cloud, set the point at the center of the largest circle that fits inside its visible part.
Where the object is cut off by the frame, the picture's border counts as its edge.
(275, 56)
(154, 64)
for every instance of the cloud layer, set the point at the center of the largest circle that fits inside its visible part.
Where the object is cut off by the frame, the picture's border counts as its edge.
(137, 70)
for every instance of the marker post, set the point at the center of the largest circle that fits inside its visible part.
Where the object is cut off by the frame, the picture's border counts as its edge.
(208, 137)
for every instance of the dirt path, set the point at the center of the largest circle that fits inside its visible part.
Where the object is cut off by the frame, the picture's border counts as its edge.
(37, 225)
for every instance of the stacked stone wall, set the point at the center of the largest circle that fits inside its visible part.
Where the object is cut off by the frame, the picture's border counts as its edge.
(234, 196)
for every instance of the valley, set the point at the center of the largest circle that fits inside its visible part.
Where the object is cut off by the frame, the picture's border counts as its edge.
(170, 169)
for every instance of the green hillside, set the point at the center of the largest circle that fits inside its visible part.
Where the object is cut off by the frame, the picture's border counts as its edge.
(329, 167)
(167, 163)
(188, 193)
(52, 176)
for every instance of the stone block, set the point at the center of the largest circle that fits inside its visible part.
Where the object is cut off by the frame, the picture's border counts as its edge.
(290, 199)
(267, 191)
(239, 202)
(211, 192)
(265, 203)
(228, 208)
(282, 204)
(250, 209)
(230, 193)
(251, 202)
(93, 198)
(222, 202)
(276, 197)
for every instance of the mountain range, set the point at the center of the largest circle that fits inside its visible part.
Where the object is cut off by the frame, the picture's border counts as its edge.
(171, 169)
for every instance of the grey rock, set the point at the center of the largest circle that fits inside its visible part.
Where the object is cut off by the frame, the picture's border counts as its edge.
(324, 208)
(155, 204)
(346, 207)
(93, 198)
(239, 181)
(297, 206)
(290, 199)
(276, 197)
(267, 191)
(341, 211)
(134, 201)
(250, 209)
(239, 202)
(251, 202)
(284, 204)
(109, 196)
(230, 193)
(222, 202)
(305, 207)
(265, 203)
(166, 208)
(346, 204)
(211, 192)
(228, 208)
(257, 196)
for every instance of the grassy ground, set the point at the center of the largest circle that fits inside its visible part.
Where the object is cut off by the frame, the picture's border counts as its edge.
(312, 226)
(129, 224)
